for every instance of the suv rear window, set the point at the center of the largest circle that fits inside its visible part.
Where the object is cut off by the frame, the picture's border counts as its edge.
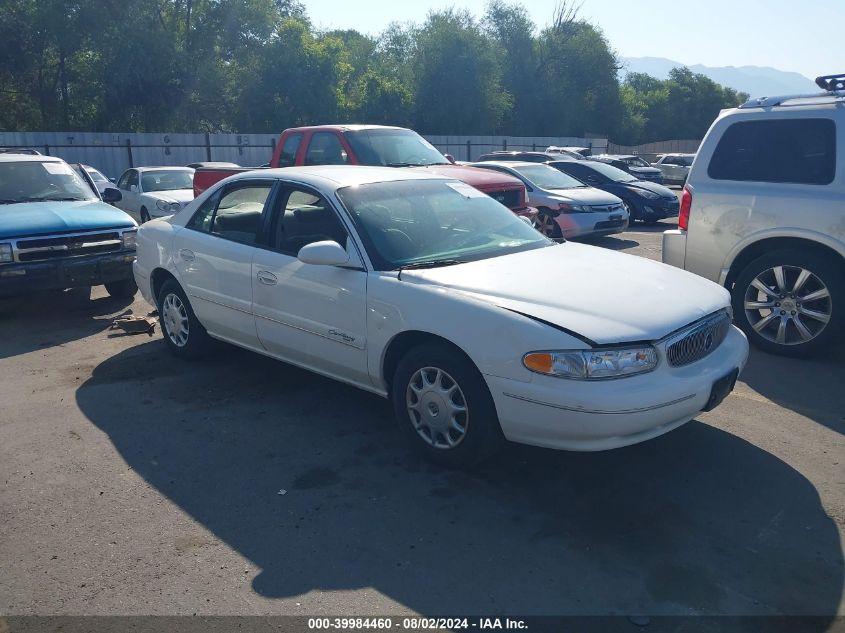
(785, 150)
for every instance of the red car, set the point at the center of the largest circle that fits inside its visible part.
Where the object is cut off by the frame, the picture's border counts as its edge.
(381, 146)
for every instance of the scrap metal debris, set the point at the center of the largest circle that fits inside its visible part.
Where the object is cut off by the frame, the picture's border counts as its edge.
(132, 324)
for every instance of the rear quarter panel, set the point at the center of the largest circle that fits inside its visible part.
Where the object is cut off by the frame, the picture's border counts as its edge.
(727, 216)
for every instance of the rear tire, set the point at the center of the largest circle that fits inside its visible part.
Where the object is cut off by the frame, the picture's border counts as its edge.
(183, 333)
(124, 289)
(444, 408)
(791, 302)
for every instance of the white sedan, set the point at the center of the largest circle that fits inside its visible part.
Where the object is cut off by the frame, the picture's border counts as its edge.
(155, 192)
(423, 290)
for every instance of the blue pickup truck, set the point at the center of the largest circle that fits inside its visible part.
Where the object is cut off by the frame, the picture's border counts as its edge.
(57, 232)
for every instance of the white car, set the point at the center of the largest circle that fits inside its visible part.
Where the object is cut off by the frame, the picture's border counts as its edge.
(424, 290)
(155, 192)
(674, 167)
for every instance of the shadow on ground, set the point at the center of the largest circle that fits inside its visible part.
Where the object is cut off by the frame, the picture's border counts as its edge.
(46, 319)
(811, 387)
(698, 521)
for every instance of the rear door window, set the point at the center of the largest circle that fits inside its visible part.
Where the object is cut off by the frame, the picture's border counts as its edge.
(325, 149)
(779, 151)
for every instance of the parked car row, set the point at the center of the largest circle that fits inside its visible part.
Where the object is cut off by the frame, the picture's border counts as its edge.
(373, 259)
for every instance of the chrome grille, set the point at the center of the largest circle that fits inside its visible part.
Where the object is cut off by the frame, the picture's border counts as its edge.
(59, 246)
(698, 341)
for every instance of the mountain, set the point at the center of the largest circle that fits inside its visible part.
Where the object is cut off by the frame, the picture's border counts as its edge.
(757, 81)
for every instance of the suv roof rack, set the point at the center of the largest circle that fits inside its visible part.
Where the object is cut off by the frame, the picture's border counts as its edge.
(833, 86)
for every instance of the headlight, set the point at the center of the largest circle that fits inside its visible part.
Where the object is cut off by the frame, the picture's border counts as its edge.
(5, 252)
(592, 364)
(645, 193)
(130, 239)
(168, 207)
(568, 207)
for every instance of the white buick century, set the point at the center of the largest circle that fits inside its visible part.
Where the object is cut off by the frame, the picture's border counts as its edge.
(424, 290)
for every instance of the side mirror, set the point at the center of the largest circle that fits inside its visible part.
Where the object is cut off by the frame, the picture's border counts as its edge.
(112, 195)
(133, 188)
(327, 253)
(450, 158)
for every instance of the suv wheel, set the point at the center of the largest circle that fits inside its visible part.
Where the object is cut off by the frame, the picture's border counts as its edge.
(183, 333)
(444, 408)
(790, 302)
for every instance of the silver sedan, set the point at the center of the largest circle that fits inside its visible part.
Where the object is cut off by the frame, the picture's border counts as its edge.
(568, 208)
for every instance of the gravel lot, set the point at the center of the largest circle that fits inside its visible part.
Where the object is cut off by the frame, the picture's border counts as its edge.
(135, 483)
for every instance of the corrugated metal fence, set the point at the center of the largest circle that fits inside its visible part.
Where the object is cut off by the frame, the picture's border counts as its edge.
(650, 150)
(112, 153)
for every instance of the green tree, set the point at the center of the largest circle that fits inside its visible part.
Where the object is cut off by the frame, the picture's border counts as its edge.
(458, 77)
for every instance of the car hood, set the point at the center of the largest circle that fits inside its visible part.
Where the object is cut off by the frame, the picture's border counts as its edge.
(650, 186)
(175, 195)
(586, 195)
(645, 170)
(44, 218)
(484, 179)
(602, 295)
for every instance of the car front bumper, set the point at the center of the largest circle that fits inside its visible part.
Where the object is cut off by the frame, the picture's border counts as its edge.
(601, 415)
(575, 225)
(90, 270)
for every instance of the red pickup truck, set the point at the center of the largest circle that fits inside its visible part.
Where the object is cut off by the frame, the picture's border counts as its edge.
(376, 145)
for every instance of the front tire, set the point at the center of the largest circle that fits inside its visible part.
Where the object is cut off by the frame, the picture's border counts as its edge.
(123, 289)
(546, 224)
(183, 333)
(791, 302)
(444, 408)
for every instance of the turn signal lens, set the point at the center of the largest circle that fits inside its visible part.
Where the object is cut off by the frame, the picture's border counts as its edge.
(540, 362)
(6, 253)
(686, 205)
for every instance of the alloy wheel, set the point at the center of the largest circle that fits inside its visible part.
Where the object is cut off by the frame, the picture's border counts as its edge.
(788, 305)
(545, 223)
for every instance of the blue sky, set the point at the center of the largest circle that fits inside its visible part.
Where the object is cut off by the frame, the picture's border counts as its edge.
(794, 35)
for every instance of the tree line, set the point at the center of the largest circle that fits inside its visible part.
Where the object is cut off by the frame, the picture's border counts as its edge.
(261, 65)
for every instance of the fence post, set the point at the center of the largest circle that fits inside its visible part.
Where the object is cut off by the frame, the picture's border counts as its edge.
(47, 150)
(208, 147)
(129, 152)
(504, 144)
(533, 147)
(469, 150)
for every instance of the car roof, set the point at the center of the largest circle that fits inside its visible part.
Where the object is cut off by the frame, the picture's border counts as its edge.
(29, 158)
(504, 163)
(336, 176)
(347, 127)
(163, 168)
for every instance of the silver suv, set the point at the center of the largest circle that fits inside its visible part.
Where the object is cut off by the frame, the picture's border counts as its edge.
(763, 214)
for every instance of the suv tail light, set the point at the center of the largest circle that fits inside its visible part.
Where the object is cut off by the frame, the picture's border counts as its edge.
(683, 215)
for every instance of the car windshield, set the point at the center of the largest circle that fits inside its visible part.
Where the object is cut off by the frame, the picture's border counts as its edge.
(167, 180)
(393, 148)
(426, 222)
(546, 177)
(636, 161)
(609, 171)
(40, 181)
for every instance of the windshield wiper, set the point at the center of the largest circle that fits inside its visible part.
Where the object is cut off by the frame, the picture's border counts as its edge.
(8, 201)
(431, 263)
(401, 165)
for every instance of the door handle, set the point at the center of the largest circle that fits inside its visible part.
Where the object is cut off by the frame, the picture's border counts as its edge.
(267, 278)
(187, 255)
